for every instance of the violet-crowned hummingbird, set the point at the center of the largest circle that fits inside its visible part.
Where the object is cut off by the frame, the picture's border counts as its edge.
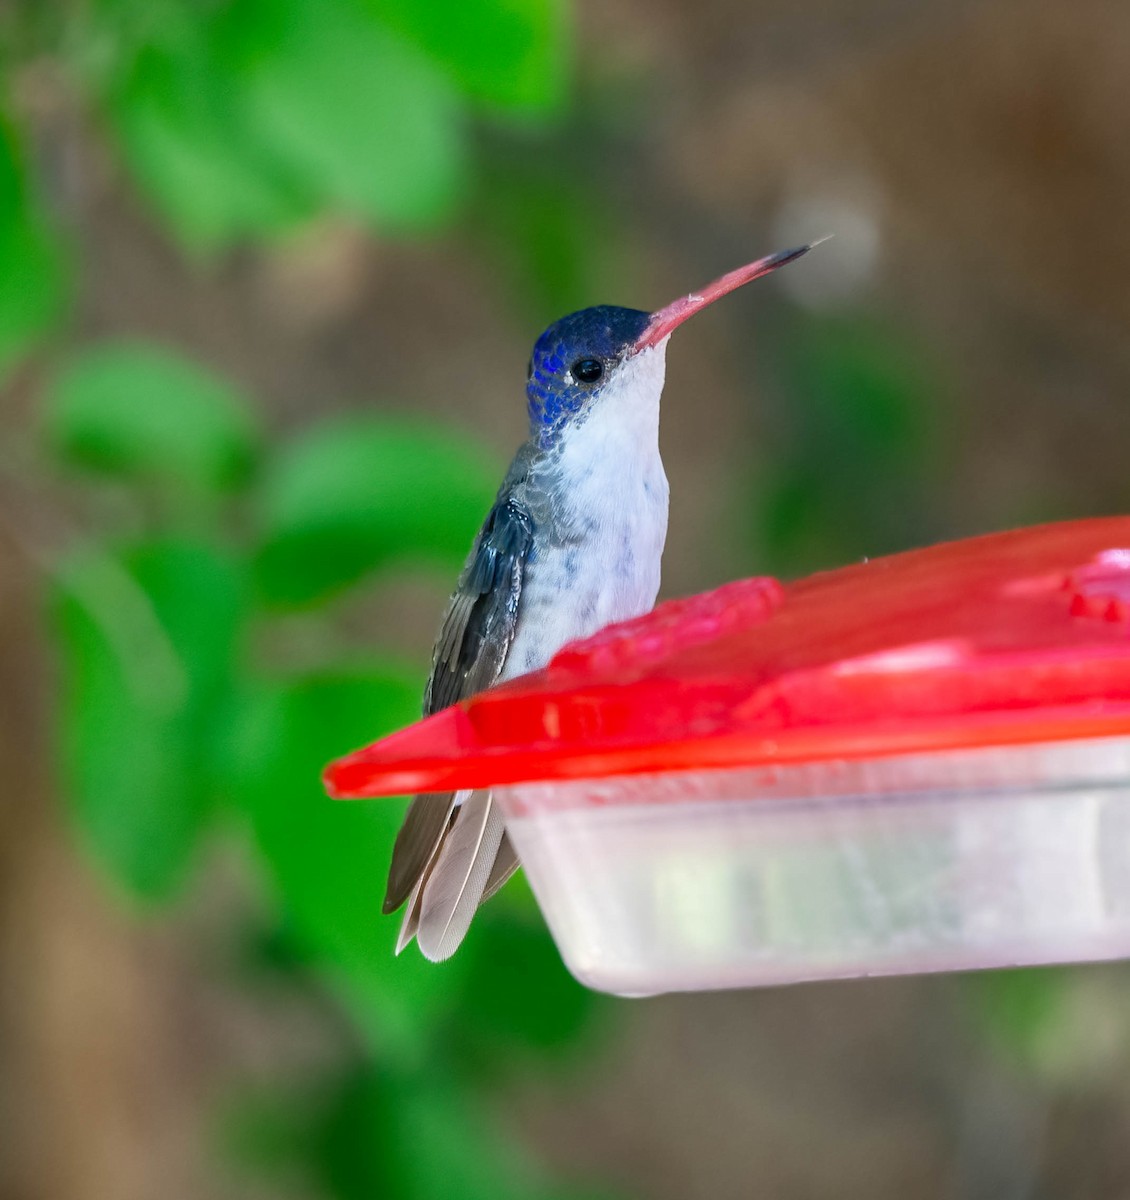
(572, 543)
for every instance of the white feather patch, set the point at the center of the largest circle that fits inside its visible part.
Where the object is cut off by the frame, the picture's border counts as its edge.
(455, 886)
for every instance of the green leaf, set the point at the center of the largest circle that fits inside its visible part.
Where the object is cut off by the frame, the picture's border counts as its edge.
(251, 119)
(185, 137)
(146, 642)
(415, 1137)
(350, 497)
(361, 116)
(328, 859)
(510, 53)
(31, 282)
(147, 414)
(518, 993)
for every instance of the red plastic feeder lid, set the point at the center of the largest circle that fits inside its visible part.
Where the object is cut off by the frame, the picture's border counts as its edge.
(999, 640)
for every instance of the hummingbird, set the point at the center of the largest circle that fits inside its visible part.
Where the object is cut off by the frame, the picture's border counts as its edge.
(572, 543)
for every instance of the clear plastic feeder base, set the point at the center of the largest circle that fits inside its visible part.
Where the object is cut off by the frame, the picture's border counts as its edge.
(733, 878)
(914, 763)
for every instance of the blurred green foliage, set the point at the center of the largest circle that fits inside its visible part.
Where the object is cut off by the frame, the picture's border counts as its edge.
(356, 494)
(32, 281)
(147, 635)
(100, 415)
(246, 119)
(1023, 1011)
(179, 724)
(173, 728)
(861, 428)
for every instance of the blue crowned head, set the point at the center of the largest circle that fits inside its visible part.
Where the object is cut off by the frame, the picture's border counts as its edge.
(616, 355)
(573, 363)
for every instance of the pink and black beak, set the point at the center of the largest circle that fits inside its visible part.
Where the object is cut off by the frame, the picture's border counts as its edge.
(667, 319)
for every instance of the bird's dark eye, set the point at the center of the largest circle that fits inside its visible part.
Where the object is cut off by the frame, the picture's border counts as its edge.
(587, 370)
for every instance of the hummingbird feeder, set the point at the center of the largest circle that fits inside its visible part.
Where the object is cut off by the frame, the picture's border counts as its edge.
(916, 763)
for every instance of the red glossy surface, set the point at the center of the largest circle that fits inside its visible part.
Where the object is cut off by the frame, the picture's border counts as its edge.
(1010, 638)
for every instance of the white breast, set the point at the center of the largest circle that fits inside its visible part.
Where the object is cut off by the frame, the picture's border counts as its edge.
(601, 560)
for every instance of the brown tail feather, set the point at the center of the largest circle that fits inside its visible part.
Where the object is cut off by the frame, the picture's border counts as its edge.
(505, 864)
(420, 835)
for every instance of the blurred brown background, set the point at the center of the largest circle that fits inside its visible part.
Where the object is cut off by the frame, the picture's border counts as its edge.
(972, 162)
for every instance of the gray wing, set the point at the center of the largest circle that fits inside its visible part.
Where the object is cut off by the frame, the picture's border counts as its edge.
(478, 627)
(474, 640)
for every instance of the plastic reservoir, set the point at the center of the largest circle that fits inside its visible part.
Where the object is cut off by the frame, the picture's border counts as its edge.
(918, 763)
